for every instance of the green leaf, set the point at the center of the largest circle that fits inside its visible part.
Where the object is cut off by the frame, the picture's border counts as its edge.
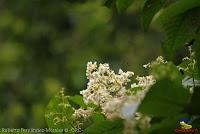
(165, 98)
(97, 117)
(151, 7)
(190, 68)
(180, 30)
(166, 126)
(78, 99)
(122, 5)
(180, 22)
(187, 67)
(105, 127)
(177, 8)
(58, 113)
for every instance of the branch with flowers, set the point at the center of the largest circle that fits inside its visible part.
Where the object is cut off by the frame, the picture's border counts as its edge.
(109, 100)
(154, 104)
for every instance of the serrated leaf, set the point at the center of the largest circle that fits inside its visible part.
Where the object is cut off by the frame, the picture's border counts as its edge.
(122, 5)
(180, 22)
(177, 8)
(180, 30)
(151, 7)
(165, 98)
(189, 68)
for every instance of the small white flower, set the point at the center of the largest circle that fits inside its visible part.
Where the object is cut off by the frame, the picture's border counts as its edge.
(159, 60)
(83, 113)
(90, 68)
(145, 81)
(147, 65)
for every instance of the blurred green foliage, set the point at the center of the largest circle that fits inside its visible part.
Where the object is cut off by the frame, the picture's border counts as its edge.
(45, 45)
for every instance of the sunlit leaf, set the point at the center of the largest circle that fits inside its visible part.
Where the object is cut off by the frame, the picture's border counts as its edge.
(165, 98)
(180, 22)
(151, 7)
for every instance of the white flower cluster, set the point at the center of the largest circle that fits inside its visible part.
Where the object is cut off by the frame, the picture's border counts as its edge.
(104, 84)
(126, 106)
(144, 81)
(83, 113)
(159, 60)
(107, 89)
